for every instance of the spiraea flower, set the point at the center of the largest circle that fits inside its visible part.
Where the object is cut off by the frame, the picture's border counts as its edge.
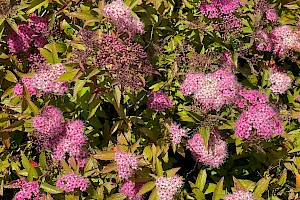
(45, 79)
(130, 189)
(249, 97)
(126, 163)
(29, 84)
(259, 119)
(285, 40)
(240, 195)
(280, 82)
(159, 101)
(263, 42)
(227, 61)
(120, 15)
(168, 187)
(29, 190)
(213, 90)
(271, 14)
(71, 181)
(177, 133)
(212, 156)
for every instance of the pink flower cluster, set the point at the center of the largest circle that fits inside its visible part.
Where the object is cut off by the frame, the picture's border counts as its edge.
(29, 190)
(126, 163)
(282, 40)
(280, 82)
(159, 101)
(212, 156)
(240, 195)
(168, 187)
(227, 61)
(45, 79)
(120, 15)
(211, 91)
(29, 84)
(258, 118)
(125, 61)
(177, 133)
(61, 137)
(131, 189)
(223, 10)
(71, 181)
(28, 33)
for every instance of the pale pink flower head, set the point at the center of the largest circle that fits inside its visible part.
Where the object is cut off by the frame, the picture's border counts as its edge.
(71, 181)
(285, 40)
(168, 187)
(250, 97)
(120, 15)
(131, 189)
(45, 79)
(49, 122)
(177, 133)
(159, 101)
(126, 163)
(191, 82)
(29, 190)
(216, 152)
(280, 82)
(240, 195)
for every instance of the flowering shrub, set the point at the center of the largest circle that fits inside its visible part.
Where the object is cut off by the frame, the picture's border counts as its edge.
(150, 99)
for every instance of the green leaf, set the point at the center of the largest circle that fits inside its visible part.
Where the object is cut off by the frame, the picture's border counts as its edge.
(105, 155)
(78, 86)
(205, 133)
(14, 126)
(36, 4)
(85, 15)
(42, 160)
(154, 195)
(261, 187)
(68, 75)
(117, 96)
(201, 180)
(50, 188)
(171, 172)
(146, 188)
(32, 173)
(12, 24)
(219, 193)
(10, 77)
(66, 167)
(48, 55)
(282, 179)
(159, 169)
(117, 196)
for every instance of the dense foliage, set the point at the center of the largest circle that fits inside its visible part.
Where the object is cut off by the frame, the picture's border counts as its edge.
(149, 99)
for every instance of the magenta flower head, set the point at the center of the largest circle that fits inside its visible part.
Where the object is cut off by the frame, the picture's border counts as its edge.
(71, 181)
(168, 187)
(29, 190)
(280, 82)
(49, 122)
(240, 195)
(259, 119)
(159, 101)
(177, 133)
(126, 163)
(29, 84)
(212, 156)
(131, 189)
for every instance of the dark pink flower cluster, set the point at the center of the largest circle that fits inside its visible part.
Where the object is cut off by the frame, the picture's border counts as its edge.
(258, 118)
(29, 190)
(71, 181)
(216, 152)
(125, 61)
(168, 187)
(29, 84)
(282, 40)
(227, 61)
(159, 101)
(120, 15)
(223, 10)
(126, 163)
(265, 9)
(240, 195)
(211, 91)
(59, 136)
(28, 34)
(131, 189)
(177, 133)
